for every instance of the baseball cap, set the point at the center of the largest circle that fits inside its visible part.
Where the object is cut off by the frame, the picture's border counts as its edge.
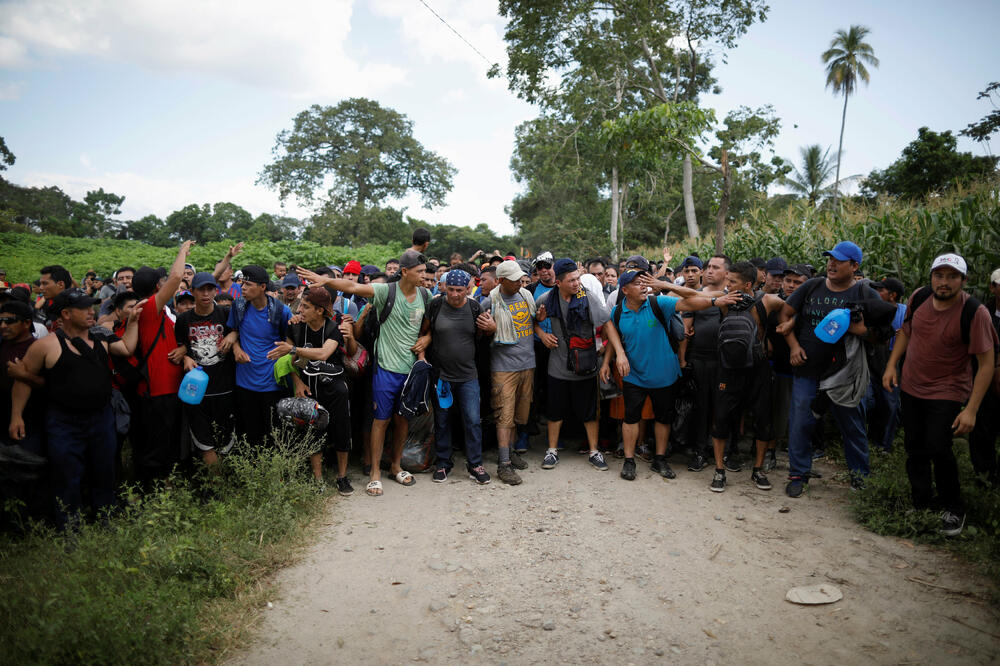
(291, 280)
(544, 258)
(638, 262)
(563, 266)
(191, 266)
(845, 251)
(630, 274)
(776, 266)
(409, 259)
(798, 269)
(20, 310)
(353, 267)
(368, 269)
(510, 270)
(890, 284)
(183, 296)
(70, 298)
(691, 260)
(951, 261)
(255, 274)
(203, 278)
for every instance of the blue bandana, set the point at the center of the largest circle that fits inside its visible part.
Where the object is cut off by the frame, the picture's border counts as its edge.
(457, 278)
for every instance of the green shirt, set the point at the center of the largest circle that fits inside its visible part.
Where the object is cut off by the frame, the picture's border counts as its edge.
(400, 331)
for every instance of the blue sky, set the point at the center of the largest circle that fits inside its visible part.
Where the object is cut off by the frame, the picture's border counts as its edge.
(170, 104)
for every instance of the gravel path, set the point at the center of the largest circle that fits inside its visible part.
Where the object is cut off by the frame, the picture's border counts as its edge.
(579, 566)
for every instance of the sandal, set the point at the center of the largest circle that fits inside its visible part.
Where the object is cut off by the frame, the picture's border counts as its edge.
(374, 488)
(404, 478)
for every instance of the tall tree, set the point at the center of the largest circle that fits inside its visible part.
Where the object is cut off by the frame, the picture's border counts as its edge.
(811, 178)
(355, 155)
(845, 66)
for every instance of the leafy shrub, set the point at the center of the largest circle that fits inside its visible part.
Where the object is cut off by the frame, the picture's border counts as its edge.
(161, 581)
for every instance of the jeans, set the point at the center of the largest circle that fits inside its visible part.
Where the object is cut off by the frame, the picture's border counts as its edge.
(983, 438)
(927, 436)
(466, 398)
(79, 444)
(801, 423)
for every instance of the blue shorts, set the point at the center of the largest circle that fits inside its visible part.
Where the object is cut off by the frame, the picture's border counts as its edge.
(387, 391)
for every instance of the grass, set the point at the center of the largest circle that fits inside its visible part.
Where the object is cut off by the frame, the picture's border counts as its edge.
(174, 577)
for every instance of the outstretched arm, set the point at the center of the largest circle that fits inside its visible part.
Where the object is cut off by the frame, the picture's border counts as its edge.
(340, 284)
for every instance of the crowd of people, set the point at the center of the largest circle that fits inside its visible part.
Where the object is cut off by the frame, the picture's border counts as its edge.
(637, 358)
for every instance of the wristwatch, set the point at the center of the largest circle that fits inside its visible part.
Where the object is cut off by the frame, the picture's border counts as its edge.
(713, 301)
(294, 349)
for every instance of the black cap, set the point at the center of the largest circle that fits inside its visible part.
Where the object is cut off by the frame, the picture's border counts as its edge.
(637, 261)
(253, 273)
(71, 298)
(20, 310)
(798, 269)
(184, 295)
(892, 285)
(16, 294)
(776, 266)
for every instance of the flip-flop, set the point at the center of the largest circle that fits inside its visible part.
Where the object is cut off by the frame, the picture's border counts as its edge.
(374, 488)
(404, 478)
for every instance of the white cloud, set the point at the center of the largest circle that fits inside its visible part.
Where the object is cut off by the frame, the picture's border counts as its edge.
(298, 50)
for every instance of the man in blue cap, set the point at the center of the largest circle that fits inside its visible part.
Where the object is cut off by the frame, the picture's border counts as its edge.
(811, 358)
(573, 360)
(691, 269)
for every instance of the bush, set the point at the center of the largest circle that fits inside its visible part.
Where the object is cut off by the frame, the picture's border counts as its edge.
(23, 254)
(165, 579)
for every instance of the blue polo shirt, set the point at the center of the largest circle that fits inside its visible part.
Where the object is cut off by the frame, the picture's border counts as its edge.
(651, 359)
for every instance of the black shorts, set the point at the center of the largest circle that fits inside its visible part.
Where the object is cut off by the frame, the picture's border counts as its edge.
(749, 387)
(212, 423)
(335, 397)
(662, 399)
(572, 398)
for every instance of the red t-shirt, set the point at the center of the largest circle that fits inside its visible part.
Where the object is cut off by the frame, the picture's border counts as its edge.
(938, 365)
(164, 376)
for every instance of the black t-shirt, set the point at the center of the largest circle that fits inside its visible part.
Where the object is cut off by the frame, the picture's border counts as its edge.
(780, 351)
(812, 309)
(704, 344)
(306, 338)
(201, 335)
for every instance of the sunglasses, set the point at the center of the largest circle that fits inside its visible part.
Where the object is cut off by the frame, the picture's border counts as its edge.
(10, 321)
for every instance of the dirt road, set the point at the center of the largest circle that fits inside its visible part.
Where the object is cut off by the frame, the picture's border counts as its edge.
(579, 566)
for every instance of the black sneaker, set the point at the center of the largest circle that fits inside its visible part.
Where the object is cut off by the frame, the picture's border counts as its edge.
(620, 450)
(344, 486)
(662, 467)
(517, 462)
(951, 523)
(479, 475)
(550, 460)
(440, 475)
(796, 486)
(718, 482)
(628, 469)
(597, 460)
(697, 463)
(759, 480)
(732, 462)
(857, 483)
(770, 461)
(506, 473)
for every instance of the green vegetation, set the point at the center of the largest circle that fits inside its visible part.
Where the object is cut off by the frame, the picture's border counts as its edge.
(23, 254)
(175, 577)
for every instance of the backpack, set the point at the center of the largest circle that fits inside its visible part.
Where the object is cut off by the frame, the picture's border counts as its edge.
(674, 328)
(371, 326)
(739, 336)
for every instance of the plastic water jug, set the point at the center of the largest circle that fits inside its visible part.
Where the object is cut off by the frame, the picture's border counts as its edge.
(834, 325)
(193, 387)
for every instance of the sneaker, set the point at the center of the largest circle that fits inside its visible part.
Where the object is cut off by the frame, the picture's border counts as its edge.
(628, 469)
(507, 474)
(583, 449)
(819, 454)
(857, 483)
(718, 482)
(662, 467)
(644, 452)
(951, 523)
(759, 480)
(517, 462)
(732, 462)
(440, 475)
(796, 486)
(770, 461)
(550, 460)
(521, 445)
(697, 463)
(479, 475)
(344, 486)
(597, 460)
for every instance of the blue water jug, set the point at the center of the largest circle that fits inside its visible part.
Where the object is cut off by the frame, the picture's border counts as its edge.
(193, 387)
(834, 325)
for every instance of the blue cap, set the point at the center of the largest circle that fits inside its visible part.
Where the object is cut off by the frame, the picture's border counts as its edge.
(563, 266)
(628, 275)
(845, 251)
(369, 269)
(776, 266)
(691, 261)
(202, 279)
(291, 280)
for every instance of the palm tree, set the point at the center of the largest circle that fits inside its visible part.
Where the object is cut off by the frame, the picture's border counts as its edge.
(811, 178)
(845, 65)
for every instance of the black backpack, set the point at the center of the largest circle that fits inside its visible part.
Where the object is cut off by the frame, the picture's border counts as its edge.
(371, 326)
(968, 314)
(739, 336)
(674, 328)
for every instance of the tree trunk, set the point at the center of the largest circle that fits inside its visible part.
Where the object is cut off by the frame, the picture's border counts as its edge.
(615, 206)
(688, 187)
(720, 218)
(840, 149)
(622, 205)
(666, 223)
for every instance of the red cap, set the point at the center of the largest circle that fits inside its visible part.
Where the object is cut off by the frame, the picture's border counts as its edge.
(510, 257)
(353, 266)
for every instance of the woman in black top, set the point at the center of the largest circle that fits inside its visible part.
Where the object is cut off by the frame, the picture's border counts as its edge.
(318, 345)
